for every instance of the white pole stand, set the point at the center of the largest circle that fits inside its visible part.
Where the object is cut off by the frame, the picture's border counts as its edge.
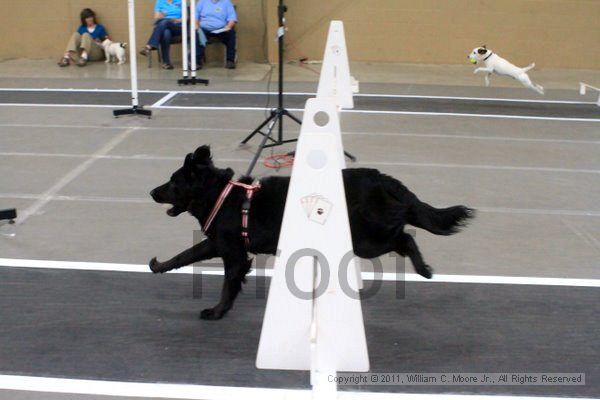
(189, 74)
(584, 86)
(135, 109)
(313, 319)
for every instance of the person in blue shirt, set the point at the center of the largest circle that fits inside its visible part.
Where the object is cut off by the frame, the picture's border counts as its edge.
(85, 44)
(217, 18)
(167, 24)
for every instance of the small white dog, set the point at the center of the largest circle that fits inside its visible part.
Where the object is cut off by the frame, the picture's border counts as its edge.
(114, 51)
(498, 65)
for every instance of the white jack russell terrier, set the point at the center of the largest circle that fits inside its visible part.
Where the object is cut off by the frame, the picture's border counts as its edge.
(114, 51)
(498, 65)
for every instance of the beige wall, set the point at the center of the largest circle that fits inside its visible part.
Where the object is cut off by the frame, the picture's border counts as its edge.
(553, 33)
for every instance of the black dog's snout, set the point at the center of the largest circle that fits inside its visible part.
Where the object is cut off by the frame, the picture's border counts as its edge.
(153, 193)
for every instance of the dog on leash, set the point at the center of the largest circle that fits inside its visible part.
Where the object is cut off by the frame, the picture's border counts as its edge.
(379, 207)
(494, 64)
(114, 51)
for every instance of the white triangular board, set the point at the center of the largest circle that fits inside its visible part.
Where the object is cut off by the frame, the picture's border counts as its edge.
(285, 341)
(337, 83)
(335, 78)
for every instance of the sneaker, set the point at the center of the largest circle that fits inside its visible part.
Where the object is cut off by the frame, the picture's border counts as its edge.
(230, 65)
(64, 62)
(167, 66)
(82, 62)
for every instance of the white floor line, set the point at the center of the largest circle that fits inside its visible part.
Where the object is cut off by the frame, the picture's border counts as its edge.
(475, 166)
(243, 160)
(449, 114)
(138, 200)
(380, 95)
(117, 127)
(82, 90)
(205, 392)
(262, 109)
(471, 137)
(376, 112)
(65, 105)
(70, 176)
(163, 100)
(370, 276)
(460, 136)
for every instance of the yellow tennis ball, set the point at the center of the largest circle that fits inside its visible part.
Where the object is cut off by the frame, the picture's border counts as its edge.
(473, 60)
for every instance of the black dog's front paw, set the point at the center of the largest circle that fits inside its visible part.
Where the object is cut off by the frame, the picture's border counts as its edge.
(425, 271)
(211, 314)
(155, 266)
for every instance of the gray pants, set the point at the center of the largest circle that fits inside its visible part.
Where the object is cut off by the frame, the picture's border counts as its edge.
(85, 42)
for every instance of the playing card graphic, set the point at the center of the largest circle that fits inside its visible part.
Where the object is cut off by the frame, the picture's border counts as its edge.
(316, 207)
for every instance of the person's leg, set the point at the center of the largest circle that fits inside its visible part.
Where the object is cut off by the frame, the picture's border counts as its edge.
(74, 43)
(157, 33)
(200, 48)
(85, 48)
(96, 52)
(229, 38)
(165, 46)
(86, 45)
(71, 50)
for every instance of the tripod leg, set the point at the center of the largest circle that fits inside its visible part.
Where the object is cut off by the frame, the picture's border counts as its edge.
(257, 130)
(350, 156)
(262, 145)
(286, 112)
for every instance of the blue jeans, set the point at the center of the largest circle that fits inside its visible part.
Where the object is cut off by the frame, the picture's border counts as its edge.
(227, 38)
(162, 37)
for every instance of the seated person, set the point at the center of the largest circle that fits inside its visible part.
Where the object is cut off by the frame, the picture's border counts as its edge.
(218, 15)
(167, 24)
(85, 44)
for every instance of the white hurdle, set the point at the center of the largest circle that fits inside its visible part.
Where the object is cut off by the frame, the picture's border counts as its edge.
(584, 86)
(313, 319)
(135, 109)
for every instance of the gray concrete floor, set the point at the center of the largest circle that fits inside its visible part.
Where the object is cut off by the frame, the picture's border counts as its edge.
(535, 183)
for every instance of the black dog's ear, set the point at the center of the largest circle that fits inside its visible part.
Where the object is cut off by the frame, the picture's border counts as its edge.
(482, 50)
(202, 155)
(188, 160)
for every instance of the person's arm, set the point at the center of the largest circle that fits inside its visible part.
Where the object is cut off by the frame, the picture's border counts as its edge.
(231, 16)
(103, 34)
(198, 13)
(158, 13)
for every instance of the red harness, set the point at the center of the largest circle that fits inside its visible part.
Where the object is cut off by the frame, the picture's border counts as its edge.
(250, 190)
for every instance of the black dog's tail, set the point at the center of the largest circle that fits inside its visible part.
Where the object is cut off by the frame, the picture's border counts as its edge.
(440, 221)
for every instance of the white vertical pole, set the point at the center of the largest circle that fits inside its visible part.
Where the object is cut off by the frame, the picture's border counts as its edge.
(193, 35)
(184, 36)
(132, 55)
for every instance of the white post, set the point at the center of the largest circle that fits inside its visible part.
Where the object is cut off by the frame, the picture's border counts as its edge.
(132, 55)
(193, 34)
(184, 37)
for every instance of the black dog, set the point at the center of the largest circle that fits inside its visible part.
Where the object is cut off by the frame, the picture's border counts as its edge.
(378, 206)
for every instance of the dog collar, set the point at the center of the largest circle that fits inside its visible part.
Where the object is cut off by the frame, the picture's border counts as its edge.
(491, 54)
